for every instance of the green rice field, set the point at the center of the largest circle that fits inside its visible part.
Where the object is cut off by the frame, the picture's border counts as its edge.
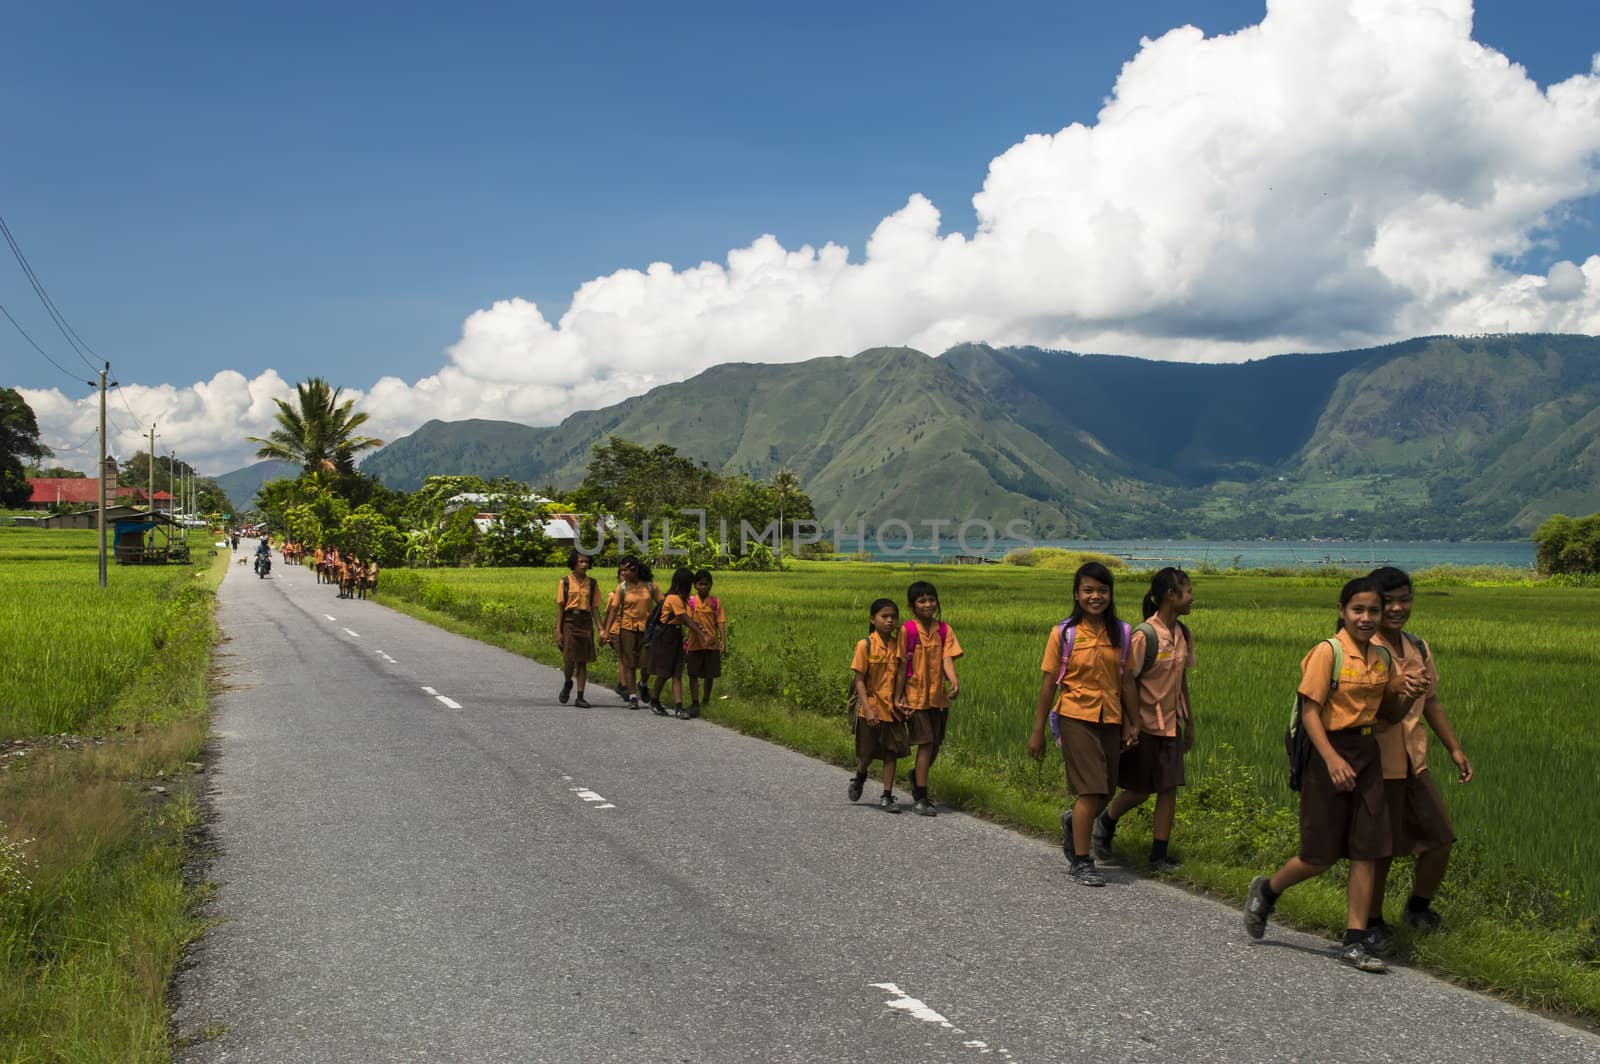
(1520, 679)
(71, 646)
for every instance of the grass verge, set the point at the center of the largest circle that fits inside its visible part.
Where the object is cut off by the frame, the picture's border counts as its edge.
(94, 908)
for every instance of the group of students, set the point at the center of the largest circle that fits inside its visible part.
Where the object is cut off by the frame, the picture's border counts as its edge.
(1114, 698)
(656, 636)
(353, 575)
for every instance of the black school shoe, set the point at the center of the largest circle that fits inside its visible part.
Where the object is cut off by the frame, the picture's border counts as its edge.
(580, 702)
(1359, 957)
(679, 712)
(888, 804)
(924, 807)
(1380, 940)
(857, 785)
(1256, 908)
(566, 693)
(658, 709)
(1066, 835)
(1085, 874)
(1421, 919)
(1100, 837)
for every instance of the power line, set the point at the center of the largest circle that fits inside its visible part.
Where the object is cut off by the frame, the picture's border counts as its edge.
(74, 341)
(36, 346)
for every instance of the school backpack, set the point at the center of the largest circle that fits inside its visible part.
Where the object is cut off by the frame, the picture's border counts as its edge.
(914, 638)
(1152, 642)
(594, 589)
(1296, 743)
(1069, 637)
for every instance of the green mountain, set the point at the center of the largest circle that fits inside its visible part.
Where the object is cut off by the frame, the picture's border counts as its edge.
(1435, 437)
(240, 485)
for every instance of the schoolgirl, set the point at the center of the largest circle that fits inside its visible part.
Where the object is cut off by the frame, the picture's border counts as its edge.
(1160, 655)
(1081, 696)
(628, 609)
(1419, 823)
(575, 601)
(879, 726)
(666, 645)
(708, 635)
(1347, 685)
(924, 688)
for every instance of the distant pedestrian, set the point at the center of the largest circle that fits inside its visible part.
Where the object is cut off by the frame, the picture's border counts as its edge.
(880, 727)
(628, 611)
(575, 624)
(1347, 684)
(1081, 696)
(1160, 655)
(707, 640)
(1419, 822)
(927, 684)
(665, 652)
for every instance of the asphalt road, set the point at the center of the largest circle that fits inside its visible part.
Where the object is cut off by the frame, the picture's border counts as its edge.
(423, 857)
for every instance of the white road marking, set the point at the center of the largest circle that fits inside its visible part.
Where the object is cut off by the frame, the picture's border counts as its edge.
(353, 635)
(429, 691)
(452, 703)
(590, 796)
(384, 654)
(329, 616)
(919, 1010)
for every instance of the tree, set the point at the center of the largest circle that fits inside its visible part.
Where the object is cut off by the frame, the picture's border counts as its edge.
(1566, 545)
(517, 535)
(318, 431)
(58, 473)
(637, 482)
(19, 439)
(367, 534)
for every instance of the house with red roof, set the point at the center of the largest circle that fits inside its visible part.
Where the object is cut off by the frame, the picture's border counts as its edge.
(84, 491)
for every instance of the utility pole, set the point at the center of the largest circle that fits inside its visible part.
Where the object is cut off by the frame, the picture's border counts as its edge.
(102, 473)
(150, 494)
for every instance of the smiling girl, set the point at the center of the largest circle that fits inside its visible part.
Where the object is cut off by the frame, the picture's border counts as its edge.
(927, 684)
(1347, 685)
(1082, 695)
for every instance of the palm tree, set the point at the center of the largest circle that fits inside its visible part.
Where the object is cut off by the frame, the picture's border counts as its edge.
(319, 433)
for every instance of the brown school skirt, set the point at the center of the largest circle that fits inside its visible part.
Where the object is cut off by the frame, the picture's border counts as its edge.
(1092, 752)
(1353, 823)
(703, 664)
(577, 638)
(665, 652)
(1152, 765)
(1418, 820)
(878, 740)
(630, 650)
(926, 726)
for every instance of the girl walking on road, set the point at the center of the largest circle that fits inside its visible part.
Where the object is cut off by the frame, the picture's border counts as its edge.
(627, 611)
(708, 634)
(926, 686)
(880, 728)
(1347, 685)
(666, 644)
(1081, 696)
(1160, 655)
(1419, 823)
(575, 601)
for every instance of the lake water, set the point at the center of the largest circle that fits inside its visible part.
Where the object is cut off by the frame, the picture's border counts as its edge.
(1259, 554)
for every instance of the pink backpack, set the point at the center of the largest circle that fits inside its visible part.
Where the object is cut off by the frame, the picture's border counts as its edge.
(1069, 635)
(914, 637)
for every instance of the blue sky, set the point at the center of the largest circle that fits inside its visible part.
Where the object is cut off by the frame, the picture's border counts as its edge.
(334, 188)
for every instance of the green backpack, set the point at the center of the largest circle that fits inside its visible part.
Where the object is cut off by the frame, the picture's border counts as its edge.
(1296, 743)
(1152, 642)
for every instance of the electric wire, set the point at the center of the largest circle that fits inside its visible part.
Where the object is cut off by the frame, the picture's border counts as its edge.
(74, 341)
(35, 344)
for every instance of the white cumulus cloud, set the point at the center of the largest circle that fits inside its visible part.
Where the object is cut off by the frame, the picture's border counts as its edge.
(1347, 172)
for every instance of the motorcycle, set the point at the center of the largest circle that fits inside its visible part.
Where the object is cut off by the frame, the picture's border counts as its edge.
(263, 565)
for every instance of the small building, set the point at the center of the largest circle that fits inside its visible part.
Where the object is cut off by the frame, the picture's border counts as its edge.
(51, 492)
(87, 518)
(136, 544)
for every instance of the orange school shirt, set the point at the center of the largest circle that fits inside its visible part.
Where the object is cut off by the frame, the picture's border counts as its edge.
(674, 610)
(879, 663)
(710, 616)
(633, 603)
(1404, 745)
(1161, 701)
(575, 592)
(1362, 681)
(1092, 687)
(925, 687)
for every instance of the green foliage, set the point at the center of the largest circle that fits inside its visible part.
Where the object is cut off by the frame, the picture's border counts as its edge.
(1061, 560)
(1568, 546)
(517, 535)
(637, 482)
(367, 534)
(318, 432)
(19, 440)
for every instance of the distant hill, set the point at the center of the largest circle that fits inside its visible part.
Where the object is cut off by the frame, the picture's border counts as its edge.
(1434, 437)
(241, 485)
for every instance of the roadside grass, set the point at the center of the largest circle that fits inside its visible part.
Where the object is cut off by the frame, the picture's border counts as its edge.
(1517, 680)
(96, 914)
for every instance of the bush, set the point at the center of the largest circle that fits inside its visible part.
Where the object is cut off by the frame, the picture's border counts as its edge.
(1058, 558)
(1568, 546)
